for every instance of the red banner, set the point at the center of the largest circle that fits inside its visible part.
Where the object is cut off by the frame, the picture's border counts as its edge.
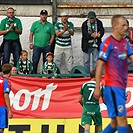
(33, 97)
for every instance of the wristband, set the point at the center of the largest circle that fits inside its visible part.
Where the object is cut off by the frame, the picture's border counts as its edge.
(31, 42)
(7, 30)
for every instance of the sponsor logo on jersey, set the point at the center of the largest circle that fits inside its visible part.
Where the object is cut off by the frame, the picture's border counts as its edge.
(122, 56)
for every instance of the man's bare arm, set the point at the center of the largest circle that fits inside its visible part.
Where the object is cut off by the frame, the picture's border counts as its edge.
(7, 100)
(97, 92)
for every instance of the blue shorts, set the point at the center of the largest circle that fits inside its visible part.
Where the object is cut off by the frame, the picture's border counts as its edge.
(3, 117)
(115, 99)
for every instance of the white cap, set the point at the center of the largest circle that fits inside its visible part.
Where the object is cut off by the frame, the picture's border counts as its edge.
(64, 14)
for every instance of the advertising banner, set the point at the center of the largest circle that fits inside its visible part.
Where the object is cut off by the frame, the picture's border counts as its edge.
(33, 97)
(51, 125)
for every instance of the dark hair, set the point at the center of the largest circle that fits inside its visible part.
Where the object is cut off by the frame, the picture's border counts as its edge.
(92, 73)
(6, 68)
(24, 51)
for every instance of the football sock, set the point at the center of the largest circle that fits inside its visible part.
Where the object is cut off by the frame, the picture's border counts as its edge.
(100, 131)
(86, 131)
(122, 129)
(109, 129)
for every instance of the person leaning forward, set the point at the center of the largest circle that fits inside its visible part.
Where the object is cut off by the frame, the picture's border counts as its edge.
(11, 28)
(43, 32)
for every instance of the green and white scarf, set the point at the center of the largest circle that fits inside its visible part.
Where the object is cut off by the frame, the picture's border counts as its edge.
(92, 30)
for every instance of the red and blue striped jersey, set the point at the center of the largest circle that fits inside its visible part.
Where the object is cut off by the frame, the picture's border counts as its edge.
(115, 54)
(5, 87)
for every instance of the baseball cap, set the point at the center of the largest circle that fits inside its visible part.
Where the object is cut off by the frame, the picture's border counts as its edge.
(91, 14)
(64, 14)
(44, 12)
(49, 53)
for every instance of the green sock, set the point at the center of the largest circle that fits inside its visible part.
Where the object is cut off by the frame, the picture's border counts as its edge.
(86, 131)
(100, 131)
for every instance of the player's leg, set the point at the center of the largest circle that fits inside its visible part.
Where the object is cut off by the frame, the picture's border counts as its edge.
(86, 121)
(121, 109)
(87, 128)
(1, 130)
(3, 118)
(97, 118)
(122, 124)
(111, 128)
(98, 129)
(109, 98)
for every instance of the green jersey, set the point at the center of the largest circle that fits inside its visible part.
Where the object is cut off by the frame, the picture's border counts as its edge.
(65, 39)
(5, 24)
(90, 103)
(24, 66)
(49, 67)
(42, 33)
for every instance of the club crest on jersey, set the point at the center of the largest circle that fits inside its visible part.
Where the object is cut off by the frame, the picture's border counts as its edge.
(125, 46)
(120, 108)
(122, 55)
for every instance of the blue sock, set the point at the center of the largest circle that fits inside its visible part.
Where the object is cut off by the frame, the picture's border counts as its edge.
(1, 132)
(122, 129)
(109, 129)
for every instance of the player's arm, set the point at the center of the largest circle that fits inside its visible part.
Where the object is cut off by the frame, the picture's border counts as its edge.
(131, 57)
(6, 96)
(97, 91)
(7, 100)
(81, 99)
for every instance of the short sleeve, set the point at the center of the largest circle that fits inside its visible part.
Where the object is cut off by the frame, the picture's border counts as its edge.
(7, 86)
(129, 50)
(105, 49)
(56, 27)
(2, 25)
(82, 89)
(32, 29)
(52, 30)
(71, 26)
(19, 25)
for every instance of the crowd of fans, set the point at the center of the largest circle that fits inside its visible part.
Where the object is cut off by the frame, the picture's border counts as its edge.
(41, 38)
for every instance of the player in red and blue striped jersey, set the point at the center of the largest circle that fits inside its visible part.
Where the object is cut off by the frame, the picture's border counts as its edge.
(5, 88)
(113, 55)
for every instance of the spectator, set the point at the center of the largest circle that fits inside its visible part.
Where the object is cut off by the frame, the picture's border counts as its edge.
(11, 28)
(49, 67)
(64, 30)
(24, 66)
(92, 32)
(130, 64)
(14, 70)
(43, 32)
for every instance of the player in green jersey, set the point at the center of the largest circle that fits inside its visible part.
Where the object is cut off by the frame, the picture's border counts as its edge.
(91, 107)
